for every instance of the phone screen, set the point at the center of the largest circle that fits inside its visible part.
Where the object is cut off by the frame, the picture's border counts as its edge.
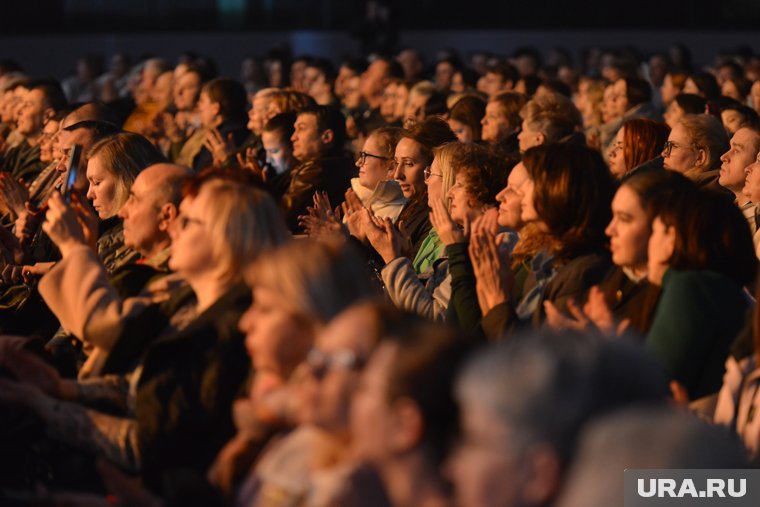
(71, 172)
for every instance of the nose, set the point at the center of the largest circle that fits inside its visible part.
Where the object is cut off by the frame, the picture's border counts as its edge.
(90, 193)
(398, 173)
(502, 195)
(610, 228)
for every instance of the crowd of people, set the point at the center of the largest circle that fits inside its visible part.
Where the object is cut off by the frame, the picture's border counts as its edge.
(492, 282)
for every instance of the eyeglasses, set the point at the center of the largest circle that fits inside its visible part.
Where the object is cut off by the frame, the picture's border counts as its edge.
(363, 157)
(184, 221)
(668, 147)
(428, 172)
(320, 362)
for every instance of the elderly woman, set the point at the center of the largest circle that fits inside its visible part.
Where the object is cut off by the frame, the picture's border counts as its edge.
(694, 148)
(174, 409)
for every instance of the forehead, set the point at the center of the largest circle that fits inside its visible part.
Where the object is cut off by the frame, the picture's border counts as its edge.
(348, 330)
(51, 127)
(518, 174)
(407, 148)
(307, 120)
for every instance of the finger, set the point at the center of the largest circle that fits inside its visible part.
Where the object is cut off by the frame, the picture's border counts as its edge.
(623, 326)
(576, 312)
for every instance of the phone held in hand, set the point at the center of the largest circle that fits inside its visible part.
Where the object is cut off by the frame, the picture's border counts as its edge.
(72, 168)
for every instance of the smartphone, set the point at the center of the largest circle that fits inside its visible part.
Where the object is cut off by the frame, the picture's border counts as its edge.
(72, 169)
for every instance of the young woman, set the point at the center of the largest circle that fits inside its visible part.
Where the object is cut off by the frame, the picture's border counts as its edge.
(638, 141)
(465, 118)
(374, 186)
(700, 253)
(574, 257)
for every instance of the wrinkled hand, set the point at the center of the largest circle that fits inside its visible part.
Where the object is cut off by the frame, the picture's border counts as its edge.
(13, 193)
(493, 274)
(221, 149)
(448, 230)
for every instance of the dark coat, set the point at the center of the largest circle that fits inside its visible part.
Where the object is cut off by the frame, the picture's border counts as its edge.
(185, 393)
(329, 173)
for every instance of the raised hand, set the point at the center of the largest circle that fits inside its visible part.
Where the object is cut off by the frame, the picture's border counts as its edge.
(493, 275)
(62, 225)
(448, 230)
(220, 148)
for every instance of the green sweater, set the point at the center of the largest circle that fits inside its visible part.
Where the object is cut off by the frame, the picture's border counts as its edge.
(697, 319)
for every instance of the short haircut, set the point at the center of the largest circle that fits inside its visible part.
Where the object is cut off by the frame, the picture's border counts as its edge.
(707, 133)
(750, 118)
(282, 124)
(505, 71)
(511, 103)
(325, 67)
(230, 95)
(484, 171)
(329, 118)
(51, 89)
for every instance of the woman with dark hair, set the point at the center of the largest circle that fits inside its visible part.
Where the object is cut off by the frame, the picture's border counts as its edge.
(703, 84)
(681, 105)
(701, 254)
(574, 256)
(465, 118)
(638, 141)
(624, 294)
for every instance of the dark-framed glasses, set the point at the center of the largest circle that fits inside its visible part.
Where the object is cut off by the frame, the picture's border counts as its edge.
(363, 157)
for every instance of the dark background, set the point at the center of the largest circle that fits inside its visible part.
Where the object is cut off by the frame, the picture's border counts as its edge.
(61, 16)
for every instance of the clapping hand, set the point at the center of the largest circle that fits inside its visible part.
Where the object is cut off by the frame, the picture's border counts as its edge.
(493, 274)
(449, 231)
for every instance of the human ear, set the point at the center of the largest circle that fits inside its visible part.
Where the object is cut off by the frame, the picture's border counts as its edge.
(328, 136)
(166, 216)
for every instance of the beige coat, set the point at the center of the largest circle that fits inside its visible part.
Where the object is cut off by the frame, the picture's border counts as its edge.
(78, 292)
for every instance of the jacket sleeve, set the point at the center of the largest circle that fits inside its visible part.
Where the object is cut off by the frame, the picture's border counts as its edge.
(408, 293)
(464, 307)
(499, 321)
(299, 193)
(77, 290)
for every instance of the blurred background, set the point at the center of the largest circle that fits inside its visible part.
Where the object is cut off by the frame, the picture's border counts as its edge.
(49, 35)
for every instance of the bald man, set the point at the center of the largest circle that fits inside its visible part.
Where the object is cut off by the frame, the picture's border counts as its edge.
(94, 307)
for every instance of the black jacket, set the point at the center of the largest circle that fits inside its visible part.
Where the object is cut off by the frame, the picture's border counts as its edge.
(329, 173)
(185, 393)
